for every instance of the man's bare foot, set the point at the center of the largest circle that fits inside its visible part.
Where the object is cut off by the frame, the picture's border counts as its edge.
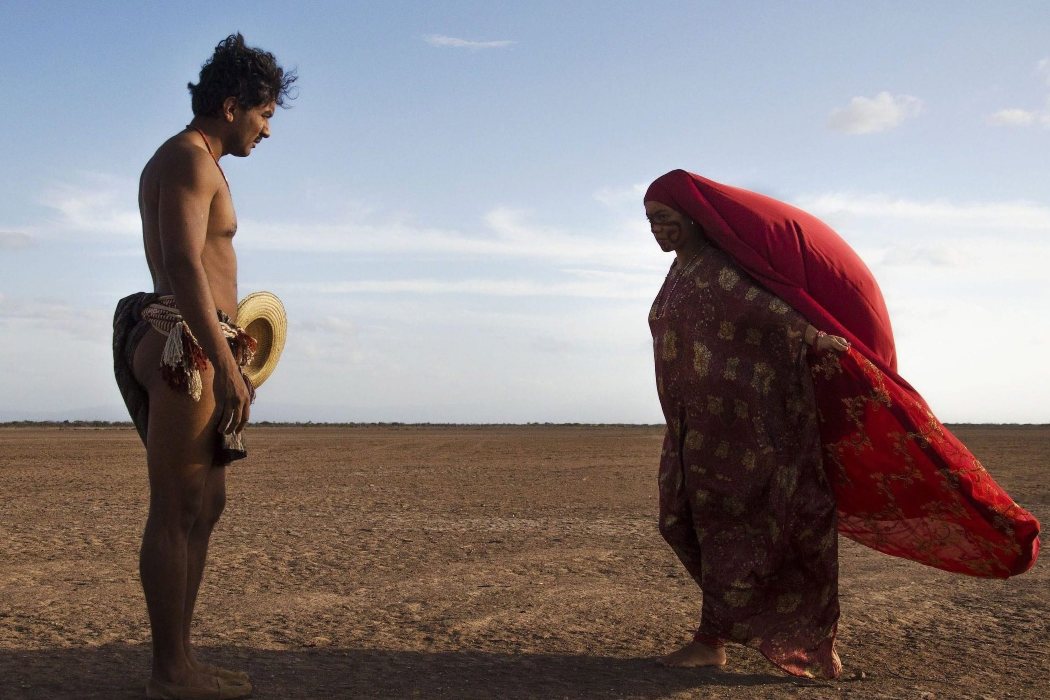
(226, 674)
(214, 689)
(188, 679)
(693, 655)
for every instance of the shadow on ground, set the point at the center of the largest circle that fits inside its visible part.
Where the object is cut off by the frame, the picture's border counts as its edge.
(119, 671)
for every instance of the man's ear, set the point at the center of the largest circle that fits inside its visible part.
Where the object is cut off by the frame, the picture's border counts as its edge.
(229, 108)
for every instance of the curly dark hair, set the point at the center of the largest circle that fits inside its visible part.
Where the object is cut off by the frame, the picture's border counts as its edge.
(236, 70)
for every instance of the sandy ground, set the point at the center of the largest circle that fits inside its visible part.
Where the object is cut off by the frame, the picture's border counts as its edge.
(519, 562)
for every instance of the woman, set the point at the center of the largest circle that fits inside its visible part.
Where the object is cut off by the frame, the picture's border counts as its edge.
(786, 420)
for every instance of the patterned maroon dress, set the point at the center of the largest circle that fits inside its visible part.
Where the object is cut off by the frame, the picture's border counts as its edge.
(744, 499)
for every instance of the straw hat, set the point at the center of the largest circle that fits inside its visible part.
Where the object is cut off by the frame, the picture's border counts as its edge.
(261, 315)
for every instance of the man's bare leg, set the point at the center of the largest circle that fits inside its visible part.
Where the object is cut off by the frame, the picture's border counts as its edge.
(179, 452)
(695, 654)
(212, 505)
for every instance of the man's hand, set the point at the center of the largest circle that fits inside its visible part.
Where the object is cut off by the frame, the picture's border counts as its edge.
(232, 397)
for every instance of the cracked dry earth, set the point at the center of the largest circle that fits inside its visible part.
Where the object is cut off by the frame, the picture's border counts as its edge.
(463, 562)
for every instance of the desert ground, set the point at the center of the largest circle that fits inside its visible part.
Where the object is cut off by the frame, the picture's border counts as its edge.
(464, 562)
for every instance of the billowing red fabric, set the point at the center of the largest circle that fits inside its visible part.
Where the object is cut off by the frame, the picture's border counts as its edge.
(904, 484)
(793, 254)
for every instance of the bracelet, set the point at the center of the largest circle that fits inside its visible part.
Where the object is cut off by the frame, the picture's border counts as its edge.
(817, 337)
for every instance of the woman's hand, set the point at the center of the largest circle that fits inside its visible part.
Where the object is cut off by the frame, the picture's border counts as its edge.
(821, 341)
(831, 342)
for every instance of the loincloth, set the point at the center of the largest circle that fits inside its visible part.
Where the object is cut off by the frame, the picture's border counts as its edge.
(181, 361)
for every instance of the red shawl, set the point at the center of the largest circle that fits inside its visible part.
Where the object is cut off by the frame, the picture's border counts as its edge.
(903, 483)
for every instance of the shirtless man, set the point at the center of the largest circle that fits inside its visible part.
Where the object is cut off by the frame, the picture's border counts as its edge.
(188, 224)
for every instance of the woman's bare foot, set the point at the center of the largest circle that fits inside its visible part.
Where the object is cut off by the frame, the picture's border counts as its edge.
(836, 664)
(693, 655)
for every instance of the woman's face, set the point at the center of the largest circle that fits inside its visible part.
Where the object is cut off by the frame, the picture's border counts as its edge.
(671, 229)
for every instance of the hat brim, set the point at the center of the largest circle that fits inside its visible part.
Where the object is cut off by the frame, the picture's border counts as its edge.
(262, 316)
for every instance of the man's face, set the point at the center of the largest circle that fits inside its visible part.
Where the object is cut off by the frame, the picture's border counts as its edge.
(250, 126)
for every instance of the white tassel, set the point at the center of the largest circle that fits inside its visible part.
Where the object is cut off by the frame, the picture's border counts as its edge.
(173, 355)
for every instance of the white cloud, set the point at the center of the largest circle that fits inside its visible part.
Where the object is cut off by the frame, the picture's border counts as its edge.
(595, 285)
(58, 317)
(614, 197)
(923, 256)
(15, 240)
(968, 252)
(869, 115)
(103, 204)
(1013, 117)
(507, 234)
(1017, 117)
(1043, 69)
(1019, 216)
(451, 42)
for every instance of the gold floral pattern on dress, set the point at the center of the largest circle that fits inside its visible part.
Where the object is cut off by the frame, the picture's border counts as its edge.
(726, 330)
(752, 293)
(826, 366)
(714, 405)
(828, 541)
(753, 336)
(787, 482)
(729, 371)
(777, 306)
(788, 602)
(727, 278)
(701, 359)
(762, 378)
(733, 505)
(740, 408)
(670, 351)
(737, 597)
(722, 451)
(748, 459)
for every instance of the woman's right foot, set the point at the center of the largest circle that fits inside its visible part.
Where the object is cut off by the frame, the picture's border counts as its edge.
(694, 655)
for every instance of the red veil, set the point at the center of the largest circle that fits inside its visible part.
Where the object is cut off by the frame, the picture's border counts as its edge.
(903, 483)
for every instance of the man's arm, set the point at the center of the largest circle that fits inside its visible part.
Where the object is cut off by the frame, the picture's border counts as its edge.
(187, 187)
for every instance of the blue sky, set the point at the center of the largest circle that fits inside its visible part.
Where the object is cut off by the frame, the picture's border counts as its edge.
(451, 208)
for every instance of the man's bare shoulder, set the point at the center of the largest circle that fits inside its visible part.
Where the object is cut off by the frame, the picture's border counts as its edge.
(181, 162)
